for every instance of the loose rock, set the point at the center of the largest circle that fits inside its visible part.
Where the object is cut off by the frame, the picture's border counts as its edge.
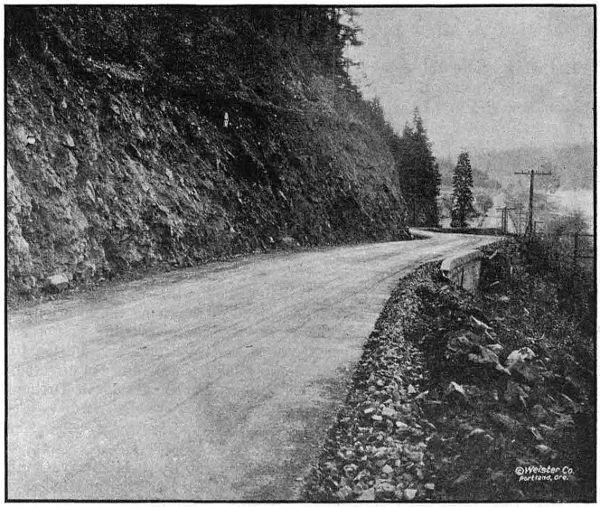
(367, 496)
(410, 494)
(523, 354)
(387, 469)
(57, 283)
(401, 426)
(68, 141)
(388, 412)
(455, 391)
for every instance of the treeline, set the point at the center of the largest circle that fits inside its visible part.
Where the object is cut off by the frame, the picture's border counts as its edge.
(416, 166)
(250, 60)
(188, 49)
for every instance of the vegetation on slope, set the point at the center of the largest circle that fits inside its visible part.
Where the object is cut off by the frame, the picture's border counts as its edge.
(166, 136)
(470, 397)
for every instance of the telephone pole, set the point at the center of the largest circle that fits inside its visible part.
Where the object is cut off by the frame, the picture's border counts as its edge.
(532, 174)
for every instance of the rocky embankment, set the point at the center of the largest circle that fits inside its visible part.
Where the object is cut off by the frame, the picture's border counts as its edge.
(116, 167)
(462, 397)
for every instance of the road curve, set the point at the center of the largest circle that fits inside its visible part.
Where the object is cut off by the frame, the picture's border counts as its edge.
(212, 383)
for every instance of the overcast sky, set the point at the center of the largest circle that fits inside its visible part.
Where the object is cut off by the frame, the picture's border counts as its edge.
(487, 78)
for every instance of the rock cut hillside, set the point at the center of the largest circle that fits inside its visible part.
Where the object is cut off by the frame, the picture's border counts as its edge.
(170, 136)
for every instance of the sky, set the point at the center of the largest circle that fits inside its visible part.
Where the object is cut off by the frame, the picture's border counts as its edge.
(482, 78)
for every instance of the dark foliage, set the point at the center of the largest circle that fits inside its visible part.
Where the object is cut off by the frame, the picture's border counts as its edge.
(462, 196)
(563, 253)
(187, 49)
(418, 171)
(427, 419)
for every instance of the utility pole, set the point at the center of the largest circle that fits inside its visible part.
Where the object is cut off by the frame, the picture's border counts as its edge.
(532, 174)
(575, 250)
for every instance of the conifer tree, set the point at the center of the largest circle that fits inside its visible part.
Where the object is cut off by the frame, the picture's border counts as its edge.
(419, 173)
(462, 196)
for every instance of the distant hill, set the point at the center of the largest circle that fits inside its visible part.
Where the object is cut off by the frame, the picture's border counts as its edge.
(480, 178)
(574, 164)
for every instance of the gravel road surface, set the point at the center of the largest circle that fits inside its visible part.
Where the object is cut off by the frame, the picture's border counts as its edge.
(212, 383)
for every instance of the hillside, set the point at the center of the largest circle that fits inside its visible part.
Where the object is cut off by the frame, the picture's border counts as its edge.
(480, 178)
(574, 164)
(155, 136)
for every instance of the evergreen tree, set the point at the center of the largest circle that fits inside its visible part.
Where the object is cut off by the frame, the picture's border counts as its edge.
(462, 196)
(419, 173)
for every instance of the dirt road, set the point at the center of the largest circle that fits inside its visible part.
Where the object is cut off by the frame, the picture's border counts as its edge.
(210, 383)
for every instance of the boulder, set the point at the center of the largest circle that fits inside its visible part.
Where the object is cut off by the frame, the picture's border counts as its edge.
(367, 496)
(344, 492)
(487, 357)
(463, 341)
(57, 283)
(455, 391)
(526, 373)
(68, 140)
(385, 487)
(523, 354)
(287, 241)
(410, 494)
(506, 422)
(21, 134)
(496, 348)
(401, 426)
(388, 412)
(350, 470)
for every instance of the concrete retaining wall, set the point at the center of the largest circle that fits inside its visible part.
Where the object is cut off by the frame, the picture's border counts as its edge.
(463, 269)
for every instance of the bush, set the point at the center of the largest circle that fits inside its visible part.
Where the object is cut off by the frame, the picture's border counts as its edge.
(552, 253)
(484, 202)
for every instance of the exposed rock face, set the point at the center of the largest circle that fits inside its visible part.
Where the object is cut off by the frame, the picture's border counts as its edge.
(18, 207)
(104, 177)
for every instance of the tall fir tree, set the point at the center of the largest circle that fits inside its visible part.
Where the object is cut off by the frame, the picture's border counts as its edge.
(462, 195)
(419, 173)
